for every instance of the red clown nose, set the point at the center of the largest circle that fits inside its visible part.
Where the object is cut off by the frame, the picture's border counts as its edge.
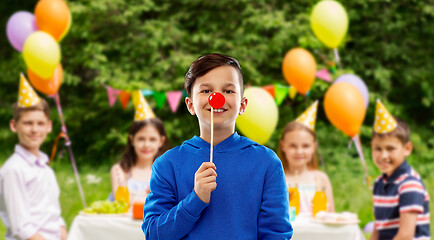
(216, 100)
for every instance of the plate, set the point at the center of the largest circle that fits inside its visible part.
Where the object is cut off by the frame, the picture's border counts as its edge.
(335, 222)
(104, 214)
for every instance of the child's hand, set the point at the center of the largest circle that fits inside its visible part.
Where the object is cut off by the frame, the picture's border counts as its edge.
(205, 181)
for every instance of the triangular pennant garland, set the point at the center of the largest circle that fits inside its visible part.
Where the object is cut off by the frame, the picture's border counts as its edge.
(173, 98)
(281, 92)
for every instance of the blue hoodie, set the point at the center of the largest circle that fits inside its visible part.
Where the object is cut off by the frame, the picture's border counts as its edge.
(250, 201)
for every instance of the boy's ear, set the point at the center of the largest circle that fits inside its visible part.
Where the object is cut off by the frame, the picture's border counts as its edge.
(243, 106)
(408, 148)
(189, 103)
(12, 125)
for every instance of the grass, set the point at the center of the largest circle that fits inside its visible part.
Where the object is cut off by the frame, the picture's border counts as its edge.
(350, 193)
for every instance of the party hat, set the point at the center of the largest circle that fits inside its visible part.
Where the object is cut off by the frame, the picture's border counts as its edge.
(27, 97)
(384, 121)
(143, 110)
(308, 118)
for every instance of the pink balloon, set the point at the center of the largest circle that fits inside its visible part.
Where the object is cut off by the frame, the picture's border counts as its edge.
(20, 25)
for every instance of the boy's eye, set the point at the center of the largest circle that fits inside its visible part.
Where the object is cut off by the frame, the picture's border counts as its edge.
(229, 91)
(206, 91)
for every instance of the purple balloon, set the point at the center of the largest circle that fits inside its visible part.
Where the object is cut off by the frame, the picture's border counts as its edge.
(356, 82)
(369, 227)
(20, 25)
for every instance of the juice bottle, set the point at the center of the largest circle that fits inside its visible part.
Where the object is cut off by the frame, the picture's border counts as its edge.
(294, 198)
(123, 194)
(319, 202)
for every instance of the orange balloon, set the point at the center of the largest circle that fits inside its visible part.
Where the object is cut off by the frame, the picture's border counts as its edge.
(53, 17)
(299, 69)
(345, 108)
(47, 86)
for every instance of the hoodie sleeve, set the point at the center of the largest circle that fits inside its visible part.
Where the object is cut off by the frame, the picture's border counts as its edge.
(273, 222)
(164, 217)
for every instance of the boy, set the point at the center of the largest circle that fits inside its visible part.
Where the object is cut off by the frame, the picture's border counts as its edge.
(401, 202)
(29, 194)
(247, 199)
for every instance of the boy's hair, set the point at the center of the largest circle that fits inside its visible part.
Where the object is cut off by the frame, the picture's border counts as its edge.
(41, 106)
(206, 63)
(129, 158)
(402, 132)
(292, 126)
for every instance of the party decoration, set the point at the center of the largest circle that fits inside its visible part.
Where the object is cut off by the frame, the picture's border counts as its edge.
(356, 82)
(324, 75)
(53, 17)
(260, 118)
(384, 121)
(20, 25)
(41, 54)
(124, 97)
(216, 100)
(308, 118)
(48, 86)
(329, 22)
(280, 92)
(299, 69)
(143, 110)
(27, 97)
(269, 89)
(173, 98)
(292, 92)
(344, 107)
(112, 95)
(160, 99)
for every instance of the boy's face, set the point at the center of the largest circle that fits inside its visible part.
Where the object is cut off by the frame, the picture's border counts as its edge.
(32, 129)
(224, 80)
(389, 153)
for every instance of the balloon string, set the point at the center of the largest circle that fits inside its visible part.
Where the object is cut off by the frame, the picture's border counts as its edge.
(358, 145)
(68, 144)
(212, 134)
(53, 151)
(335, 51)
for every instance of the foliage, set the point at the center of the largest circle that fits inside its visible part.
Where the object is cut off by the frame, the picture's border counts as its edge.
(150, 44)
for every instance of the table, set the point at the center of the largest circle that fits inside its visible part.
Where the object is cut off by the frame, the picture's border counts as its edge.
(88, 227)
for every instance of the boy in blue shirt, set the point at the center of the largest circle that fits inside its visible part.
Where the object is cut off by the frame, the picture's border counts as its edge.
(401, 201)
(247, 199)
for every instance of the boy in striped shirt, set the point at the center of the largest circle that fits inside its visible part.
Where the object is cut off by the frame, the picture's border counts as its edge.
(401, 201)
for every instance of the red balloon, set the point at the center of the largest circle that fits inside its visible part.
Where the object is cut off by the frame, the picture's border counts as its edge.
(216, 100)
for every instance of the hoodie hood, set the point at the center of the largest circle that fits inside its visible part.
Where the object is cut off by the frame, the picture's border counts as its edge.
(233, 143)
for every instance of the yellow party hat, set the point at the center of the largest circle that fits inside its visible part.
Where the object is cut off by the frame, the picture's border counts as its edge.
(27, 97)
(143, 110)
(308, 118)
(384, 122)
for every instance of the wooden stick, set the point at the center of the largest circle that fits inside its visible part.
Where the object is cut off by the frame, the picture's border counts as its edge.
(212, 134)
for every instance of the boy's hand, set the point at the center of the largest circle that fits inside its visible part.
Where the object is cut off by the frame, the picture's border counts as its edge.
(205, 181)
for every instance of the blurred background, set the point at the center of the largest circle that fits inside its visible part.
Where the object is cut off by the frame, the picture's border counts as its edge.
(147, 44)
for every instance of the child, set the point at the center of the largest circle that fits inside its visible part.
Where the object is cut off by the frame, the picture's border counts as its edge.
(146, 141)
(297, 151)
(400, 198)
(29, 194)
(241, 194)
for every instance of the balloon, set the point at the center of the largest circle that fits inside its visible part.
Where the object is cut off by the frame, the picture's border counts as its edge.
(329, 22)
(53, 17)
(47, 86)
(20, 25)
(344, 107)
(299, 69)
(41, 54)
(356, 82)
(260, 118)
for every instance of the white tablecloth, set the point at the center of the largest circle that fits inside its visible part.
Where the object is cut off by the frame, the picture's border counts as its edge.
(125, 228)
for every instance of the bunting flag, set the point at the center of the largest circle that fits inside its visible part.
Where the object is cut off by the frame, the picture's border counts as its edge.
(147, 92)
(27, 97)
(174, 98)
(160, 99)
(184, 93)
(324, 74)
(292, 92)
(124, 97)
(112, 95)
(269, 89)
(281, 92)
(384, 121)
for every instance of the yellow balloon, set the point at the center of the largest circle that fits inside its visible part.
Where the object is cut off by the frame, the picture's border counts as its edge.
(329, 22)
(41, 54)
(260, 118)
